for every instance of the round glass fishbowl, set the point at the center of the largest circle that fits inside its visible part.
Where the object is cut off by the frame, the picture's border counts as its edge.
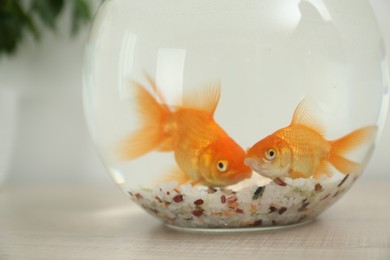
(228, 115)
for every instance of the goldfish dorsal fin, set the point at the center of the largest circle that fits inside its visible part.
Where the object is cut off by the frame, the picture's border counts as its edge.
(206, 100)
(304, 115)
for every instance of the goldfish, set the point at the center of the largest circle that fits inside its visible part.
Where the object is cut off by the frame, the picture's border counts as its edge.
(205, 154)
(300, 150)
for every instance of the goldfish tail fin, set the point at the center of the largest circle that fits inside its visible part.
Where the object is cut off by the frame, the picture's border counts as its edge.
(344, 165)
(155, 88)
(150, 135)
(348, 143)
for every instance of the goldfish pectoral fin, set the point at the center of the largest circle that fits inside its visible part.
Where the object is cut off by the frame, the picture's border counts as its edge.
(295, 175)
(176, 174)
(197, 182)
(322, 169)
(303, 115)
(344, 165)
(206, 100)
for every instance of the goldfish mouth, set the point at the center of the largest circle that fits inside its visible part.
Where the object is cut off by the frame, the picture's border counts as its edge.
(257, 167)
(253, 163)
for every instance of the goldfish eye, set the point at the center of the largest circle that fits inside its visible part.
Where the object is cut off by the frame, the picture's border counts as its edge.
(222, 166)
(270, 154)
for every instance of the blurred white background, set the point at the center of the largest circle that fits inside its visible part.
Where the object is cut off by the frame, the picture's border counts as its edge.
(43, 134)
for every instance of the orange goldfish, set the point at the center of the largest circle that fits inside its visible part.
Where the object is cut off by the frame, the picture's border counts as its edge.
(203, 151)
(300, 149)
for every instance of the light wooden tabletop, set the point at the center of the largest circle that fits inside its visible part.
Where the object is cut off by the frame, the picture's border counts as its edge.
(98, 222)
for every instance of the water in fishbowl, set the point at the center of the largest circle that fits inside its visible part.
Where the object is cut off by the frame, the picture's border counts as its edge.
(227, 114)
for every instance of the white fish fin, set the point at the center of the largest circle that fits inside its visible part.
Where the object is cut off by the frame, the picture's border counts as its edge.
(303, 115)
(205, 100)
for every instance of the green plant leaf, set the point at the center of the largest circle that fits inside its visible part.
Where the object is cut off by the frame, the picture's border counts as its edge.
(18, 17)
(81, 15)
(13, 21)
(48, 11)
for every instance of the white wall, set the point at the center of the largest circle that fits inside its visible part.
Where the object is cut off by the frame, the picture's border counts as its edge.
(51, 140)
(52, 143)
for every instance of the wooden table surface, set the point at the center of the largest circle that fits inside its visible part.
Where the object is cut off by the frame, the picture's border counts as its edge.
(98, 222)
